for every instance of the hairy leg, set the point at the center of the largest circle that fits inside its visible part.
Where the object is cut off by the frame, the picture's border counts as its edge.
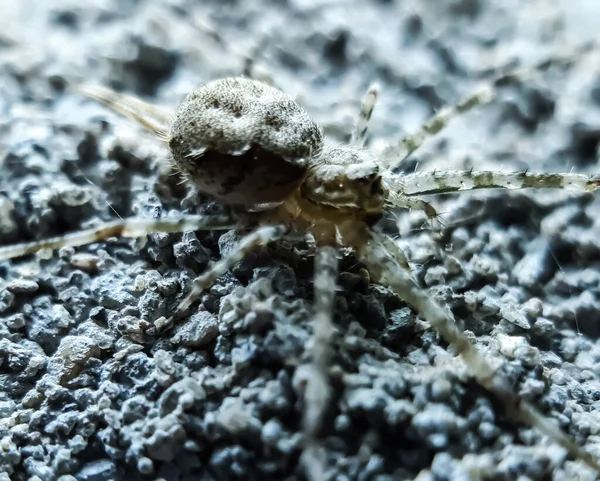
(147, 115)
(377, 254)
(402, 201)
(361, 129)
(395, 154)
(312, 380)
(426, 183)
(132, 227)
(258, 238)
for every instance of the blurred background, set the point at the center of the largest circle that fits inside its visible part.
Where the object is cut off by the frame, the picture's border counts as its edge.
(424, 54)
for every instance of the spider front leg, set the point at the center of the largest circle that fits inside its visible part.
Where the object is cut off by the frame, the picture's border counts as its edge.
(258, 238)
(312, 380)
(427, 183)
(394, 155)
(378, 256)
(131, 227)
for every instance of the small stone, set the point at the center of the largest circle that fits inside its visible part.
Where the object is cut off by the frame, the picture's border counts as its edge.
(100, 470)
(543, 327)
(271, 432)
(15, 322)
(517, 347)
(6, 408)
(190, 253)
(145, 466)
(22, 286)
(201, 329)
(33, 399)
(514, 315)
(532, 308)
(399, 327)
(365, 399)
(86, 262)
(342, 422)
(399, 411)
(441, 390)
(435, 275)
(71, 354)
(234, 417)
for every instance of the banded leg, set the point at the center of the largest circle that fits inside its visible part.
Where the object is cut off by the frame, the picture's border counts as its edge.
(258, 238)
(312, 380)
(132, 227)
(378, 256)
(402, 201)
(147, 115)
(395, 154)
(427, 183)
(361, 129)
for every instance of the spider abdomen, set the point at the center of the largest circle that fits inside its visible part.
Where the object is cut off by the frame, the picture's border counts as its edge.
(243, 141)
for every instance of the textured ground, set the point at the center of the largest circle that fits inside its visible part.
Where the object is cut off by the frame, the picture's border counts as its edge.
(85, 393)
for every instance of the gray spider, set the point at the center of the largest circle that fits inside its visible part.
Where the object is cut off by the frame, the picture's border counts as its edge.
(253, 147)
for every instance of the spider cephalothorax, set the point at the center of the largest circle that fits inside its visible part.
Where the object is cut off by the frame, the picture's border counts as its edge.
(346, 179)
(249, 144)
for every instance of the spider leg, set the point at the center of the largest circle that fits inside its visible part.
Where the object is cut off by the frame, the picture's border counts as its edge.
(147, 115)
(312, 380)
(426, 183)
(376, 254)
(402, 201)
(258, 238)
(393, 155)
(131, 227)
(361, 129)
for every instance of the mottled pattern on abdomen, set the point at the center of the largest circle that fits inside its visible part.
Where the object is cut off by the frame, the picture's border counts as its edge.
(243, 141)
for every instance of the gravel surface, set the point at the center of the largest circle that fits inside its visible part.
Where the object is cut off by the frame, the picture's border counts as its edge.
(86, 394)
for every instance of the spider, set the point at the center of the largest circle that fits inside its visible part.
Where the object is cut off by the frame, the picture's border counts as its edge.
(253, 147)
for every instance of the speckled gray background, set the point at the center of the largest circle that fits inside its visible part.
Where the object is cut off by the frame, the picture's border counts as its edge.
(84, 393)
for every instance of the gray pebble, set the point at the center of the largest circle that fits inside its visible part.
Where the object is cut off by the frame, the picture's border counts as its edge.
(145, 466)
(99, 470)
(22, 286)
(441, 389)
(201, 329)
(272, 432)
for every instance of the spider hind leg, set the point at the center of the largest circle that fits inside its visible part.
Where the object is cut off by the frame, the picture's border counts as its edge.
(378, 254)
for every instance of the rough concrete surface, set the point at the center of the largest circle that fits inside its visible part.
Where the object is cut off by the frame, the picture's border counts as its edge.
(86, 394)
